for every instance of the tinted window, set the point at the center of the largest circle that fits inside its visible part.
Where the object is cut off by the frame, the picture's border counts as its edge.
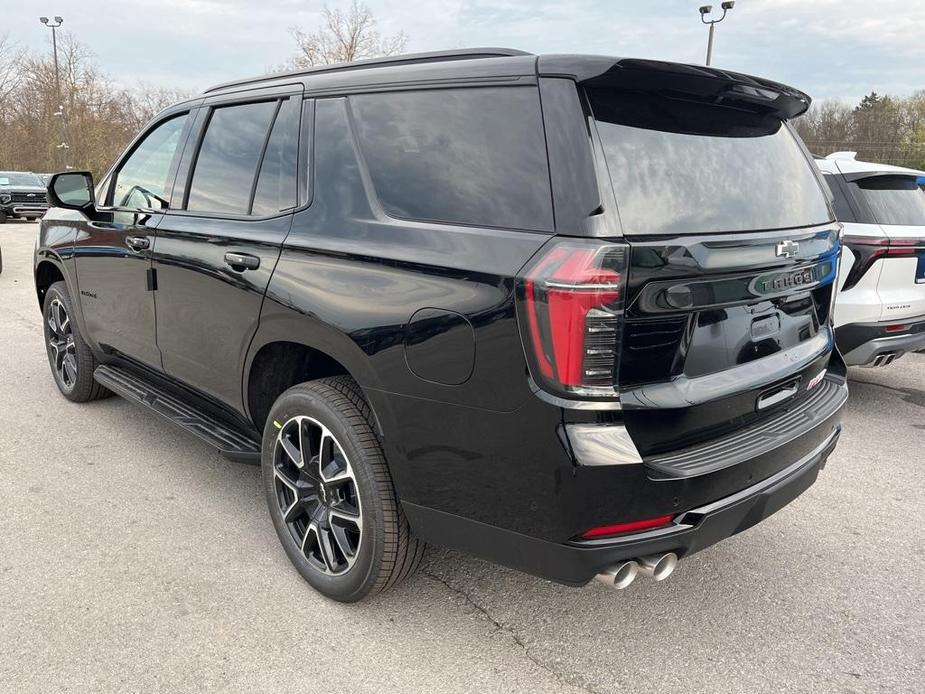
(142, 180)
(276, 185)
(893, 199)
(843, 211)
(681, 167)
(223, 177)
(470, 156)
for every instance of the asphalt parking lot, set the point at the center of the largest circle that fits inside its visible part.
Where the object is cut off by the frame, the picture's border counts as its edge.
(134, 558)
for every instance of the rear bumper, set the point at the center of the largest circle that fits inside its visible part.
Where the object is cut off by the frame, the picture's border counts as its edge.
(576, 563)
(875, 344)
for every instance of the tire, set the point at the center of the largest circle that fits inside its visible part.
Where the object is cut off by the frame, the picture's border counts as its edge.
(358, 513)
(72, 363)
(3, 216)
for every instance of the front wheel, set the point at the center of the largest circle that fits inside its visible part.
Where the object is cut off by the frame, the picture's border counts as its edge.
(72, 363)
(330, 494)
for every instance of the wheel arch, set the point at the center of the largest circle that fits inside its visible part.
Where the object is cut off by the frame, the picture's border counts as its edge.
(279, 359)
(47, 272)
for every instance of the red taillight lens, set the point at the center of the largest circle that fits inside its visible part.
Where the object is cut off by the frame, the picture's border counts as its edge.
(573, 305)
(629, 527)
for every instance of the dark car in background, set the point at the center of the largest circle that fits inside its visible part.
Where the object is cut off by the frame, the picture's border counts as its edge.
(22, 195)
(572, 314)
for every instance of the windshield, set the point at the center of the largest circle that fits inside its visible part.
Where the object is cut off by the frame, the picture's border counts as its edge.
(683, 167)
(893, 199)
(20, 179)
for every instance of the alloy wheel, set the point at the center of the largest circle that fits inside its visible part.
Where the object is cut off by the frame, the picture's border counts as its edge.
(61, 349)
(317, 495)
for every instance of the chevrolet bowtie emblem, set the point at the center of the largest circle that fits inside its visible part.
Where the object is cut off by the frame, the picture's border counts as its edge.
(787, 249)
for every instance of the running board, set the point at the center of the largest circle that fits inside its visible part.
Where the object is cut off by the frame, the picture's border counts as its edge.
(232, 443)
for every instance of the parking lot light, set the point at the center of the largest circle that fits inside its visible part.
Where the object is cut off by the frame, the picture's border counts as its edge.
(706, 10)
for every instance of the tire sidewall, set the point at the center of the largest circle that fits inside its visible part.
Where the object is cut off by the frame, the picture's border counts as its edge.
(356, 582)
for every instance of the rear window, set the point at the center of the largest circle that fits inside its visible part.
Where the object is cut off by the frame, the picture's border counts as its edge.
(893, 199)
(467, 156)
(682, 167)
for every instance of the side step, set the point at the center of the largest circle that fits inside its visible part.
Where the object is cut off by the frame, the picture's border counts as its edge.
(233, 443)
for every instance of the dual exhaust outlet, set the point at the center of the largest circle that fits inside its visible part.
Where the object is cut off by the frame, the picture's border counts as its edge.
(656, 566)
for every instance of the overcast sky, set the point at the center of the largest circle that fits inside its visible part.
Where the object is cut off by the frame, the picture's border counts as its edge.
(828, 48)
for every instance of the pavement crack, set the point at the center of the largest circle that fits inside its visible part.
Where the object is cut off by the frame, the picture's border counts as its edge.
(502, 627)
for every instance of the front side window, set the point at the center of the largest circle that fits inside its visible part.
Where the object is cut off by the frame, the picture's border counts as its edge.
(225, 169)
(685, 167)
(893, 199)
(143, 179)
(467, 156)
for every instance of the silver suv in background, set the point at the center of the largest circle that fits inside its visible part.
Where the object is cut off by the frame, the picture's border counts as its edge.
(22, 195)
(880, 309)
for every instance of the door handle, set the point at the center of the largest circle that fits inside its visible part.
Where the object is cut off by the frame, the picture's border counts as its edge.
(241, 261)
(138, 243)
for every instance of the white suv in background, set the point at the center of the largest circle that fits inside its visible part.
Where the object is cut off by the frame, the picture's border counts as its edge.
(880, 309)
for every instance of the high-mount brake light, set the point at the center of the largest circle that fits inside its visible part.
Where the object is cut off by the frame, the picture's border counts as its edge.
(572, 305)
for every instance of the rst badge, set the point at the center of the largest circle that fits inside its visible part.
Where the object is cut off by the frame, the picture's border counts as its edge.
(816, 380)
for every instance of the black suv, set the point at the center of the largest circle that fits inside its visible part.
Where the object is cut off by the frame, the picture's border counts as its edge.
(568, 313)
(22, 194)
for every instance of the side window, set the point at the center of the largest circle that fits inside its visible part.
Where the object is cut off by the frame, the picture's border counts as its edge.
(142, 180)
(843, 212)
(223, 175)
(467, 156)
(276, 184)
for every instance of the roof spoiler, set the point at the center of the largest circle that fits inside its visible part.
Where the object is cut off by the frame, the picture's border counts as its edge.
(705, 83)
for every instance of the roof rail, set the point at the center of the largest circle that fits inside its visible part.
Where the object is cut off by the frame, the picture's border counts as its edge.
(387, 61)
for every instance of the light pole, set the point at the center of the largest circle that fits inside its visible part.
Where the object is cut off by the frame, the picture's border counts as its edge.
(58, 21)
(704, 11)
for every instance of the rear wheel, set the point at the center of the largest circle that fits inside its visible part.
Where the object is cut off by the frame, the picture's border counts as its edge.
(72, 363)
(330, 494)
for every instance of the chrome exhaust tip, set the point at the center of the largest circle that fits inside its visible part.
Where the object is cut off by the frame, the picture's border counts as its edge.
(620, 575)
(658, 566)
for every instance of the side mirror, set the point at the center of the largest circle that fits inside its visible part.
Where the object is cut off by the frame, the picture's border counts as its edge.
(72, 190)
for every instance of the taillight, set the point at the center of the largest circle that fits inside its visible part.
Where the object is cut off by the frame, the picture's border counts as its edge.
(869, 249)
(571, 308)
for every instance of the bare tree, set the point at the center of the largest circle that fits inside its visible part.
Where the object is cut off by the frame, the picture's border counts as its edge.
(147, 100)
(344, 37)
(880, 128)
(10, 56)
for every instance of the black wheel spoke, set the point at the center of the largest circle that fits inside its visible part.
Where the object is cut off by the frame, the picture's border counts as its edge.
(344, 543)
(291, 450)
(325, 544)
(345, 510)
(70, 367)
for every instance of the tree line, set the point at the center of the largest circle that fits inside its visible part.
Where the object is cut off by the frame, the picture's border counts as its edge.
(83, 120)
(885, 129)
(80, 120)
